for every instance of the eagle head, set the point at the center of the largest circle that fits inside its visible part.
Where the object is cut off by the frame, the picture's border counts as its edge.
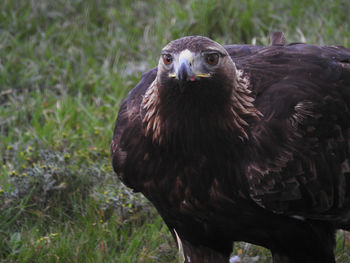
(195, 61)
(198, 89)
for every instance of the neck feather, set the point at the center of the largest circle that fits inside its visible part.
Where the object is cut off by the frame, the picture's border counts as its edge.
(232, 114)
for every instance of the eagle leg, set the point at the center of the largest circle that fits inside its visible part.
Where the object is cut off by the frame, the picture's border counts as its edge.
(315, 245)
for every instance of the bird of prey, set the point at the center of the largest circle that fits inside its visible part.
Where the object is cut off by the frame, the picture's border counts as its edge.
(242, 143)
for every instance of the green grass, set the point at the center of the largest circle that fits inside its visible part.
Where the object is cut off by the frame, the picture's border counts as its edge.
(65, 67)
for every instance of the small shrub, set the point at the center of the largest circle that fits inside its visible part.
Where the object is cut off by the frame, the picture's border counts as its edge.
(49, 179)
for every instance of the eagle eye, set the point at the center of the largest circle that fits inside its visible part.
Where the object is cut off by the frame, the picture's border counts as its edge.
(167, 59)
(212, 58)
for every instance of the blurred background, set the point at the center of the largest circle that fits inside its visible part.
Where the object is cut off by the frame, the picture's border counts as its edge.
(65, 67)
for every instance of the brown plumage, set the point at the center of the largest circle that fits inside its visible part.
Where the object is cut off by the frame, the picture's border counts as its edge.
(242, 143)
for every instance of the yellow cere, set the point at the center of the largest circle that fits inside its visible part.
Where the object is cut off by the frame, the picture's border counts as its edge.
(203, 75)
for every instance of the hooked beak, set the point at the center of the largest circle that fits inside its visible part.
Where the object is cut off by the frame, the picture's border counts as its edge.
(185, 73)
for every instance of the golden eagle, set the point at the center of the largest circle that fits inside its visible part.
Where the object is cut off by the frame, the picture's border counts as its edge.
(242, 143)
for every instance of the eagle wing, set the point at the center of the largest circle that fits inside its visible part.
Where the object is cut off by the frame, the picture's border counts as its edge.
(128, 133)
(298, 155)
